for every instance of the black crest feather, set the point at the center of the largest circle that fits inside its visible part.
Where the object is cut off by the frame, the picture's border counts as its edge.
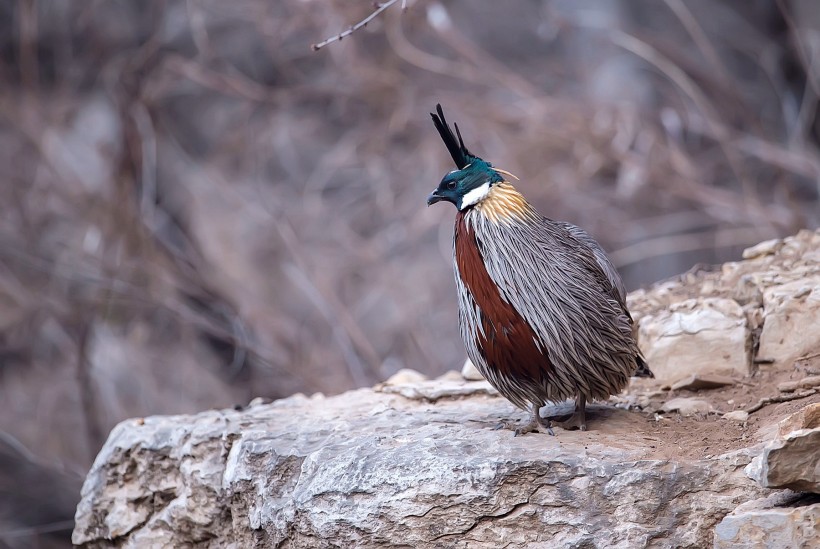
(461, 156)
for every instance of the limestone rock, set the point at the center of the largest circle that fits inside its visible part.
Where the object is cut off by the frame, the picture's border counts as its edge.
(686, 406)
(695, 336)
(791, 461)
(772, 528)
(768, 247)
(711, 321)
(470, 372)
(805, 383)
(443, 387)
(789, 309)
(404, 376)
(737, 415)
(375, 469)
(809, 363)
(700, 382)
(797, 465)
(807, 417)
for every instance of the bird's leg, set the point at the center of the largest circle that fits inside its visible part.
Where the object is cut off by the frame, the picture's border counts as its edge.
(544, 423)
(534, 423)
(578, 420)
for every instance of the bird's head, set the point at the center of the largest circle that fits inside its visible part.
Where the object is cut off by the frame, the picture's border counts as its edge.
(467, 186)
(471, 182)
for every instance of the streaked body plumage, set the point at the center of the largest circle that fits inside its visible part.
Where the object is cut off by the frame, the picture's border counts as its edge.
(542, 310)
(557, 287)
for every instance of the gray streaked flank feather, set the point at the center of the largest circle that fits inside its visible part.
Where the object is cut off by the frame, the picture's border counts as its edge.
(600, 255)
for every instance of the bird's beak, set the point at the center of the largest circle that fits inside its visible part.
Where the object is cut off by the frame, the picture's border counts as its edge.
(433, 198)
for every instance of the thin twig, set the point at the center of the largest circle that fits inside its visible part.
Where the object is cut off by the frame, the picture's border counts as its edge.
(363, 23)
(779, 398)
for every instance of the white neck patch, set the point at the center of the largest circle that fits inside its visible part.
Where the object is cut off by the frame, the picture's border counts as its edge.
(475, 196)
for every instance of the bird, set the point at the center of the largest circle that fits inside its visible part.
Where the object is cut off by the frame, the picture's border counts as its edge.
(542, 309)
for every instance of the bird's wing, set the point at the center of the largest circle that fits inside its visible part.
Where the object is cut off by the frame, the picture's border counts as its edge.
(556, 283)
(612, 278)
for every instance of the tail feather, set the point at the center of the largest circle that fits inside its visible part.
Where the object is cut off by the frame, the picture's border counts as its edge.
(642, 369)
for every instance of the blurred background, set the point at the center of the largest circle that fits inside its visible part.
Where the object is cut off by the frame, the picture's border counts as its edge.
(196, 209)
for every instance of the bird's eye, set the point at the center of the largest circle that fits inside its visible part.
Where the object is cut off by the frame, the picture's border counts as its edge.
(451, 185)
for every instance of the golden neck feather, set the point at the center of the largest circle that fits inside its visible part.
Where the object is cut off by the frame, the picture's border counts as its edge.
(504, 204)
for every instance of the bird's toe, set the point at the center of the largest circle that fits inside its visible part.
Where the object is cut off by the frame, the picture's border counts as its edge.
(575, 422)
(524, 430)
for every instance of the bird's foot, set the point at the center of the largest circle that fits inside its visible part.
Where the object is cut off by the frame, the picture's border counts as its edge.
(532, 426)
(575, 421)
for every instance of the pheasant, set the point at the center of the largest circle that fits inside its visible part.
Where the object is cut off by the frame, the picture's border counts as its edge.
(542, 310)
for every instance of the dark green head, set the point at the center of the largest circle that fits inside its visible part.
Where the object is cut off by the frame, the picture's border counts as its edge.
(467, 186)
(471, 182)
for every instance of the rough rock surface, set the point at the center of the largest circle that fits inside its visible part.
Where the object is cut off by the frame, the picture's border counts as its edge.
(792, 462)
(715, 330)
(793, 459)
(731, 319)
(371, 468)
(770, 527)
(416, 462)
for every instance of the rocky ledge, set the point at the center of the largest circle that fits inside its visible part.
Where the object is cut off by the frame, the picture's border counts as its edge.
(721, 450)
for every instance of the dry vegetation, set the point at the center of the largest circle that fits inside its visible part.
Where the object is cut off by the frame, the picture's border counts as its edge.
(197, 209)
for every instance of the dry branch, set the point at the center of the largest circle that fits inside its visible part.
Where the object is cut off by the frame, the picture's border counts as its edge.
(361, 24)
(777, 399)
